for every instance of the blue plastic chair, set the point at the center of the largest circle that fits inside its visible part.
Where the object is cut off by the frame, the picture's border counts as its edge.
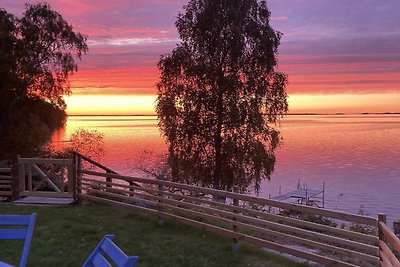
(18, 227)
(108, 249)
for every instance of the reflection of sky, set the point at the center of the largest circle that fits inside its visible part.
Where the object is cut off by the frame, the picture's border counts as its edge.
(354, 156)
(328, 47)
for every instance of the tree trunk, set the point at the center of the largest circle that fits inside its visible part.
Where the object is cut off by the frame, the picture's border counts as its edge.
(218, 144)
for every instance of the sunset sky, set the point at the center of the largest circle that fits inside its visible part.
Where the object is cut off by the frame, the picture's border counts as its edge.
(340, 55)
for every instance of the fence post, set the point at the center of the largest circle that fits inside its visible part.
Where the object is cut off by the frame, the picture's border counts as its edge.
(131, 190)
(159, 208)
(108, 180)
(78, 175)
(381, 218)
(381, 235)
(74, 176)
(15, 183)
(235, 241)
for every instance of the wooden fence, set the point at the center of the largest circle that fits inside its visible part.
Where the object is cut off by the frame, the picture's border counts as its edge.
(5, 182)
(288, 228)
(38, 177)
(387, 257)
(283, 227)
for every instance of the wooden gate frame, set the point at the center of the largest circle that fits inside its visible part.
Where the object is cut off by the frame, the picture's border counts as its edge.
(23, 174)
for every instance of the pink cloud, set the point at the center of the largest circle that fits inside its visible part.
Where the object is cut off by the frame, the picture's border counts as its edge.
(334, 46)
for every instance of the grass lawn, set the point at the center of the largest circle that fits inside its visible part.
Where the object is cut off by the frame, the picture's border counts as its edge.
(65, 236)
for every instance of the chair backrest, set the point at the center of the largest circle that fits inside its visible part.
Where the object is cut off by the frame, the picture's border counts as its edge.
(107, 249)
(24, 225)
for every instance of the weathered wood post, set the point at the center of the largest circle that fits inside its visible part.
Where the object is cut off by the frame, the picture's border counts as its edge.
(78, 175)
(159, 208)
(131, 190)
(71, 178)
(74, 175)
(381, 218)
(381, 235)
(15, 179)
(396, 228)
(108, 180)
(235, 241)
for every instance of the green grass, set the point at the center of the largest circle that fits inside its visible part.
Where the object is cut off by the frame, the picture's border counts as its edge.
(65, 236)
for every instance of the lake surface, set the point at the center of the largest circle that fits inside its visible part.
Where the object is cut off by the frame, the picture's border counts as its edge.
(357, 157)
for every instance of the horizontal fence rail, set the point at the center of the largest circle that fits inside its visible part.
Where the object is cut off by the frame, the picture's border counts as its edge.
(323, 236)
(387, 239)
(5, 182)
(242, 217)
(44, 177)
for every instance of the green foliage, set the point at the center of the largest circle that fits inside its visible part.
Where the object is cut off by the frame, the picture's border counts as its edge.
(37, 56)
(219, 94)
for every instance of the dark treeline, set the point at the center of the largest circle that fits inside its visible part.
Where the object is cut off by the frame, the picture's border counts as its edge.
(38, 53)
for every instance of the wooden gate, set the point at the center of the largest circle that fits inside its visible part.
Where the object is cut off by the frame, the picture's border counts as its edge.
(45, 178)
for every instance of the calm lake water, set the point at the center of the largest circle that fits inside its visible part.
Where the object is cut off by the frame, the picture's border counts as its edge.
(357, 157)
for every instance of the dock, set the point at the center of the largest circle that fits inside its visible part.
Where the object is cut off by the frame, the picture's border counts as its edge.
(305, 196)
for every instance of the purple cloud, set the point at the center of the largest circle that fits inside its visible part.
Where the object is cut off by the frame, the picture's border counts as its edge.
(332, 46)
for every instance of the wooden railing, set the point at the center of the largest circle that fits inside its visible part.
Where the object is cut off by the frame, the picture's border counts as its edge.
(5, 182)
(245, 218)
(279, 226)
(43, 177)
(387, 257)
(81, 162)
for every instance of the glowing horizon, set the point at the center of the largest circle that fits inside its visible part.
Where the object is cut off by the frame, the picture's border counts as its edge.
(110, 105)
(322, 104)
(336, 59)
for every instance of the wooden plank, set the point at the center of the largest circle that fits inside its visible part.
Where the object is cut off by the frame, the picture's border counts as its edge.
(62, 173)
(44, 178)
(272, 217)
(5, 177)
(385, 260)
(29, 172)
(45, 200)
(15, 182)
(21, 177)
(7, 186)
(312, 235)
(5, 181)
(226, 232)
(282, 219)
(46, 194)
(5, 170)
(267, 202)
(389, 254)
(95, 163)
(70, 177)
(5, 193)
(394, 240)
(46, 161)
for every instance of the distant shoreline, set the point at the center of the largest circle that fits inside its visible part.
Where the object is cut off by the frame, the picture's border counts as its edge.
(290, 114)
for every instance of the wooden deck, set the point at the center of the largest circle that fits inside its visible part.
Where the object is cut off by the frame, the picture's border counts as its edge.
(45, 201)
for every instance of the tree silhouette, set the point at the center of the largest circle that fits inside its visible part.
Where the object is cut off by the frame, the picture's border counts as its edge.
(38, 53)
(219, 94)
